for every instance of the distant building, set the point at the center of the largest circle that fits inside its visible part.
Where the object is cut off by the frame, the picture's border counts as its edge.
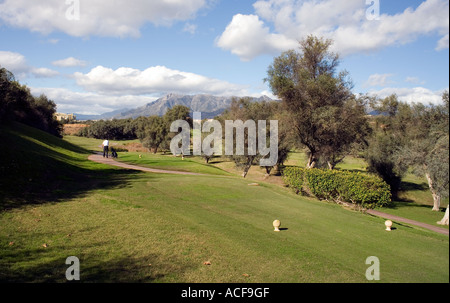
(67, 117)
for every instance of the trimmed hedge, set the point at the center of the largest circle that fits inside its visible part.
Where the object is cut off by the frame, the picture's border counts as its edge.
(368, 191)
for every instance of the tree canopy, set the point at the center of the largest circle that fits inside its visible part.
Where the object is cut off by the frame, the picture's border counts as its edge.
(411, 137)
(325, 115)
(18, 104)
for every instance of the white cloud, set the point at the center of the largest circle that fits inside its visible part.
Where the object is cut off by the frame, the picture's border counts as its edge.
(443, 43)
(44, 72)
(247, 37)
(119, 18)
(17, 64)
(378, 80)
(344, 21)
(264, 93)
(89, 103)
(154, 80)
(69, 62)
(412, 95)
(14, 62)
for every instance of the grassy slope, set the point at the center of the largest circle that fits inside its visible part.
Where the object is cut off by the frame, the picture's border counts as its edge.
(38, 168)
(162, 228)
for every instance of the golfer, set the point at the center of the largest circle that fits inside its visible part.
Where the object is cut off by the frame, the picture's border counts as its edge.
(105, 148)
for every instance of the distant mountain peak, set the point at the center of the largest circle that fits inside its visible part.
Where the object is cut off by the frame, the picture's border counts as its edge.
(210, 106)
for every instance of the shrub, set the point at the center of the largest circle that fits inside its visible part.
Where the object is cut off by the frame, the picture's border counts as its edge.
(293, 178)
(368, 191)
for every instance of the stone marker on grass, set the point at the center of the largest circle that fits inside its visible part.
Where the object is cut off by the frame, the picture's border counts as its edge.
(276, 225)
(389, 224)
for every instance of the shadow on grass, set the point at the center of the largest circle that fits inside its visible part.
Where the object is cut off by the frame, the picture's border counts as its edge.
(399, 203)
(123, 269)
(400, 199)
(37, 168)
(407, 186)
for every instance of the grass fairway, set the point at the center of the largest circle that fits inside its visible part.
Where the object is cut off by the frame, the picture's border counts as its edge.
(162, 228)
(169, 162)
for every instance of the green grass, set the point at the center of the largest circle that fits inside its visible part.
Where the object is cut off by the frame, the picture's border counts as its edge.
(170, 162)
(165, 161)
(162, 228)
(299, 158)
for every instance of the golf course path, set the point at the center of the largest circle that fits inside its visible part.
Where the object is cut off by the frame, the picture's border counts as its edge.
(109, 161)
(408, 221)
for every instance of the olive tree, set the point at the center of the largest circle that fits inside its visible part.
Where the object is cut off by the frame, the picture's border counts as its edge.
(324, 114)
(411, 137)
(245, 111)
(426, 151)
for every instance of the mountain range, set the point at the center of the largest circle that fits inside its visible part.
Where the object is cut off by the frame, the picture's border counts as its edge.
(210, 107)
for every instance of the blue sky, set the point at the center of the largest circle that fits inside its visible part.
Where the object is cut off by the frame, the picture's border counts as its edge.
(96, 56)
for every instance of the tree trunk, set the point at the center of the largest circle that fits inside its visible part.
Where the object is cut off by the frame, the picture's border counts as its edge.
(245, 172)
(331, 166)
(436, 196)
(311, 162)
(444, 221)
(277, 170)
(248, 165)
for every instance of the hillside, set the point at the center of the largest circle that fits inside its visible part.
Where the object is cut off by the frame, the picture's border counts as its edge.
(210, 106)
(104, 116)
(36, 167)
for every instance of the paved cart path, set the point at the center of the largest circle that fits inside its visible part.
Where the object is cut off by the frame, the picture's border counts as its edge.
(408, 221)
(109, 161)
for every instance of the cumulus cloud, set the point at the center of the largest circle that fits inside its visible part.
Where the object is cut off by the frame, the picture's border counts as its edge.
(411, 95)
(344, 21)
(14, 62)
(154, 80)
(247, 37)
(107, 89)
(17, 64)
(69, 62)
(88, 103)
(80, 18)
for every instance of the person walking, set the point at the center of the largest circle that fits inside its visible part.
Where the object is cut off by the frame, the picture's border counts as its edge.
(105, 148)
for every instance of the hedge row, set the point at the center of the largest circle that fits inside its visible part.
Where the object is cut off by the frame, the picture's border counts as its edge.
(368, 191)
